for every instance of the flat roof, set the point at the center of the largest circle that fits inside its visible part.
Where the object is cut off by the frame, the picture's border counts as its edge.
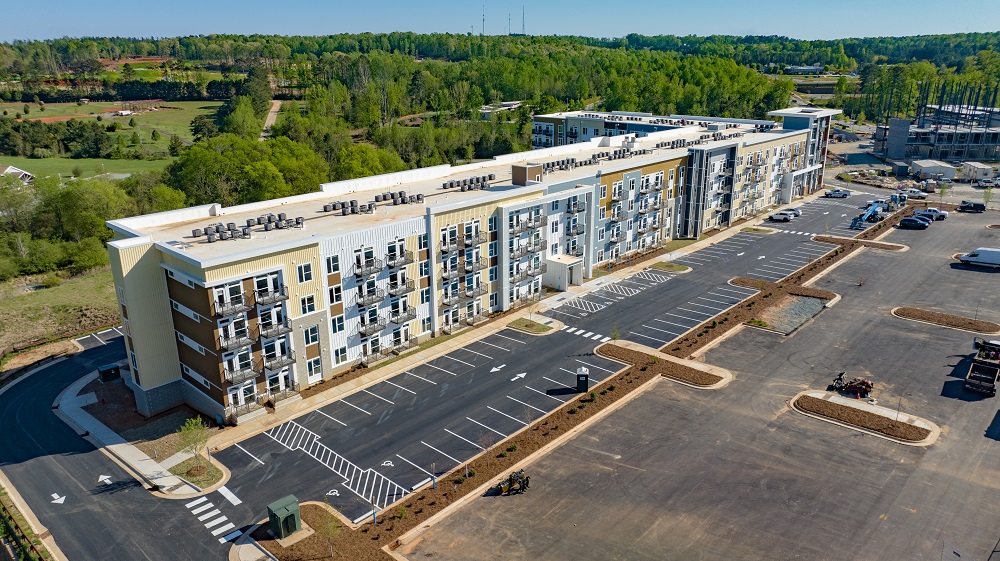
(931, 163)
(804, 112)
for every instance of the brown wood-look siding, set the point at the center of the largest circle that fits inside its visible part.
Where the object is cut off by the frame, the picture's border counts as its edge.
(312, 351)
(423, 255)
(209, 366)
(198, 299)
(333, 279)
(425, 282)
(337, 309)
(204, 332)
(124, 311)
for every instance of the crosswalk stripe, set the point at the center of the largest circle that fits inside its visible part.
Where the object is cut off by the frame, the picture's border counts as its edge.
(225, 492)
(196, 502)
(202, 508)
(563, 327)
(596, 337)
(216, 522)
(606, 339)
(222, 529)
(208, 515)
(588, 334)
(230, 537)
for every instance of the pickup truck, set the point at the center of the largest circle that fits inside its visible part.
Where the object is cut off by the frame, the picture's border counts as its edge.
(969, 206)
(837, 193)
(985, 367)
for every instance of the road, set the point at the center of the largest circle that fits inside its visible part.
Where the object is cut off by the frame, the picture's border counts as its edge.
(57, 472)
(272, 117)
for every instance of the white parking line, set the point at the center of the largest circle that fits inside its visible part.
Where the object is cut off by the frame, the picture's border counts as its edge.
(248, 454)
(779, 268)
(401, 387)
(119, 331)
(722, 296)
(492, 345)
(467, 349)
(557, 383)
(378, 396)
(558, 312)
(694, 312)
(439, 368)
(595, 366)
(527, 404)
(440, 452)
(320, 411)
(345, 402)
(790, 261)
(672, 323)
(704, 306)
(98, 338)
(486, 427)
(695, 257)
(682, 317)
(509, 338)
(421, 378)
(457, 360)
(415, 465)
(660, 330)
(197, 501)
(465, 439)
(716, 301)
(741, 293)
(105, 331)
(648, 337)
(506, 415)
(545, 394)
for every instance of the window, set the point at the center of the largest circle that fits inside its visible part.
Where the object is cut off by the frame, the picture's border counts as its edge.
(492, 224)
(337, 324)
(332, 264)
(314, 367)
(555, 227)
(631, 184)
(311, 335)
(305, 272)
(493, 273)
(584, 130)
(422, 241)
(554, 206)
(308, 304)
(600, 255)
(604, 213)
(554, 250)
(631, 205)
(425, 295)
(121, 295)
(493, 300)
(600, 234)
(494, 248)
(336, 294)
(425, 325)
(604, 191)
(425, 268)
(340, 355)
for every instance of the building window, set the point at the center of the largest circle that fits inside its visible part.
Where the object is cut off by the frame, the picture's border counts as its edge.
(314, 367)
(305, 272)
(425, 295)
(337, 324)
(492, 224)
(493, 300)
(494, 248)
(336, 294)
(308, 304)
(493, 273)
(604, 213)
(600, 234)
(555, 227)
(425, 268)
(584, 130)
(340, 355)
(311, 335)
(332, 264)
(555, 206)
(600, 255)
(422, 241)
(604, 191)
(425, 325)
(554, 250)
(631, 184)
(631, 205)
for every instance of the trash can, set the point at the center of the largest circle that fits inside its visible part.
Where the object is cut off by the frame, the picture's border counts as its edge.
(582, 379)
(109, 372)
(283, 517)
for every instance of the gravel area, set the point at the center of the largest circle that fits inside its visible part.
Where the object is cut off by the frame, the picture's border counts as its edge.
(863, 419)
(791, 311)
(948, 320)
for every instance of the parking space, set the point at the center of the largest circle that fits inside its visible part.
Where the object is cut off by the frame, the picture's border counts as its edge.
(579, 307)
(100, 338)
(824, 216)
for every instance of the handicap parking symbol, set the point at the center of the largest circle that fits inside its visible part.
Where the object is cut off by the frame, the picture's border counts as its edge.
(387, 464)
(333, 493)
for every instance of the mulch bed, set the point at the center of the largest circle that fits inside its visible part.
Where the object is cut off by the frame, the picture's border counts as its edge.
(866, 243)
(365, 543)
(994, 226)
(948, 320)
(661, 367)
(863, 419)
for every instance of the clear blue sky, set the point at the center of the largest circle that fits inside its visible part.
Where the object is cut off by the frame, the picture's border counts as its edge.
(599, 18)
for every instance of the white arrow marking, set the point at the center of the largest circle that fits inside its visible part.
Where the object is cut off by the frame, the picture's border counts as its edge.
(518, 376)
(826, 213)
(740, 253)
(105, 479)
(762, 257)
(843, 215)
(58, 500)
(497, 368)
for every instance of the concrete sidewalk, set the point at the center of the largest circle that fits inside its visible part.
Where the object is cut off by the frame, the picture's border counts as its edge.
(69, 405)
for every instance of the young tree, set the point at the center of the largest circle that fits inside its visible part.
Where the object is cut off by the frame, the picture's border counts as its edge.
(194, 437)
(155, 135)
(987, 195)
(128, 73)
(202, 127)
(131, 122)
(134, 140)
(175, 147)
(329, 528)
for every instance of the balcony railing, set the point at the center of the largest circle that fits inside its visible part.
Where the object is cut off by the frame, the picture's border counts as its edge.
(367, 267)
(275, 330)
(449, 274)
(476, 318)
(529, 224)
(649, 227)
(645, 188)
(403, 316)
(615, 217)
(572, 134)
(241, 375)
(644, 209)
(577, 251)
(370, 297)
(282, 395)
(577, 230)
(475, 292)
(448, 300)
(616, 196)
(236, 305)
(450, 245)
(471, 241)
(655, 205)
(371, 327)
(398, 346)
(576, 207)
(530, 272)
(475, 265)
(616, 237)
(396, 260)
(280, 361)
(401, 288)
(236, 411)
(236, 341)
(525, 250)
(268, 297)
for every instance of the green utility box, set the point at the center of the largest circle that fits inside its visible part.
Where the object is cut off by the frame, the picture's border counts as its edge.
(284, 518)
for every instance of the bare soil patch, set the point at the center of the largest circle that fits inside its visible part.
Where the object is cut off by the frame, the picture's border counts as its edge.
(662, 367)
(529, 326)
(948, 320)
(31, 356)
(863, 419)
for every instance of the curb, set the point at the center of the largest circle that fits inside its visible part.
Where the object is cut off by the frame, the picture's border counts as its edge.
(726, 375)
(931, 438)
(894, 314)
(33, 522)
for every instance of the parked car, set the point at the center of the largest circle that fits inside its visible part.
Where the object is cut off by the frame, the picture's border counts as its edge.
(923, 218)
(914, 223)
(969, 206)
(796, 211)
(838, 193)
(987, 183)
(934, 213)
(868, 204)
(781, 216)
(985, 256)
(915, 194)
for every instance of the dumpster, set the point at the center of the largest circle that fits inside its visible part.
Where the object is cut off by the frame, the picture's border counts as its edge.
(582, 379)
(109, 372)
(283, 517)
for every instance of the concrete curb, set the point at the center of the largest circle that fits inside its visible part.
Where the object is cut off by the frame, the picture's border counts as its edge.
(726, 375)
(894, 314)
(889, 413)
(555, 324)
(36, 525)
(245, 548)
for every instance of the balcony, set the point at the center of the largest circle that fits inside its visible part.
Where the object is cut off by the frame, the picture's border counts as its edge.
(401, 288)
(448, 300)
(449, 246)
(476, 318)
(530, 224)
(615, 217)
(475, 292)
(577, 251)
(576, 230)
(616, 196)
(236, 305)
(529, 272)
(281, 395)
(397, 260)
(649, 227)
(645, 188)
(236, 341)
(234, 412)
(279, 361)
(398, 346)
(576, 207)
(644, 209)
(367, 267)
(241, 375)
(472, 241)
(450, 274)
(268, 297)
(371, 327)
(370, 297)
(616, 237)
(525, 250)
(572, 134)
(275, 330)
(475, 265)
(403, 316)
(655, 205)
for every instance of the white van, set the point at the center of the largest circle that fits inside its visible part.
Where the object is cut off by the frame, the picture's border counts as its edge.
(985, 256)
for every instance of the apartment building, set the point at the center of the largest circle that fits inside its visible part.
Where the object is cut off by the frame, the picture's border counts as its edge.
(942, 132)
(229, 309)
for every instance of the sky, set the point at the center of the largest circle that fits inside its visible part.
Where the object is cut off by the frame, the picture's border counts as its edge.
(595, 18)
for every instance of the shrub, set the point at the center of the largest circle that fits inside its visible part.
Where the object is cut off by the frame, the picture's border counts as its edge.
(581, 406)
(593, 396)
(502, 454)
(460, 480)
(572, 411)
(472, 472)
(611, 388)
(100, 118)
(51, 281)
(512, 448)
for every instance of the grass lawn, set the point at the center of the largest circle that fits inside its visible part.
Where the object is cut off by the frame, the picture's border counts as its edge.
(757, 230)
(525, 324)
(209, 478)
(174, 117)
(669, 267)
(43, 167)
(91, 110)
(77, 303)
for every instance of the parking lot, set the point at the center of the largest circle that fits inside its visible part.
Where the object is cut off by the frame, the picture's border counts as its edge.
(735, 474)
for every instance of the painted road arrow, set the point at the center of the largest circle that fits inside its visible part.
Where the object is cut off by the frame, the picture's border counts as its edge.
(741, 253)
(58, 500)
(105, 479)
(518, 376)
(762, 257)
(497, 368)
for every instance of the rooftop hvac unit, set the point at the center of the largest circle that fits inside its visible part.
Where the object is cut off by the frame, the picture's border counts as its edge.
(300, 221)
(281, 216)
(261, 220)
(327, 208)
(378, 198)
(224, 235)
(251, 222)
(464, 189)
(492, 177)
(268, 226)
(231, 226)
(247, 233)
(237, 234)
(196, 233)
(280, 224)
(344, 211)
(211, 238)
(420, 198)
(354, 203)
(209, 229)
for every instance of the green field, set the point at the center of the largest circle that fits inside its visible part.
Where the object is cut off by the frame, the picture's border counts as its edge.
(174, 117)
(44, 167)
(91, 109)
